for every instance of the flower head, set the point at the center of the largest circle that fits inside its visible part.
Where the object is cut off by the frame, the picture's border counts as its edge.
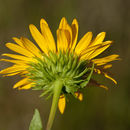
(71, 62)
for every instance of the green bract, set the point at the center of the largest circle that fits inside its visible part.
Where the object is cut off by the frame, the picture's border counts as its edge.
(67, 67)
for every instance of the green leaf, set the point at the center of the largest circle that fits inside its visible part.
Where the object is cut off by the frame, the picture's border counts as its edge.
(36, 123)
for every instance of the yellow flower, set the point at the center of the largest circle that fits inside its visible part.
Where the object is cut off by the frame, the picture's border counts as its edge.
(29, 53)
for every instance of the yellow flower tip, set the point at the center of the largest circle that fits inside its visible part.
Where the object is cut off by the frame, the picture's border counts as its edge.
(109, 77)
(31, 26)
(22, 82)
(43, 21)
(63, 23)
(18, 41)
(97, 71)
(14, 38)
(1, 72)
(3, 54)
(4, 75)
(79, 96)
(61, 104)
(63, 19)
(114, 81)
(25, 87)
(90, 33)
(102, 86)
(107, 66)
(15, 86)
(99, 38)
(102, 34)
(117, 57)
(75, 21)
(7, 44)
(108, 42)
(2, 59)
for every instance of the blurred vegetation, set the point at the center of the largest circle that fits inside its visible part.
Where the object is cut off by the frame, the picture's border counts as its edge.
(100, 109)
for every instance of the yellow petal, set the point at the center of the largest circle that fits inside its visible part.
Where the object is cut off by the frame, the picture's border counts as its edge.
(86, 52)
(18, 41)
(46, 32)
(107, 66)
(83, 43)
(61, 104)
(19, 57)
(109, 77)
(28, 86)
(99, 50)
(74, 28)
(99, 38)
(19, 49)
(14, 61)
(31, 47)
(89, 50)
(63, 23)
(79, 96)
(12, 74)
(104, 60)
(23, 73)
(97, 70)
(62, 43)
(21, 83)
(39, 38)
(13, 69)
(68, 35)
(67, 31)
(102, 86)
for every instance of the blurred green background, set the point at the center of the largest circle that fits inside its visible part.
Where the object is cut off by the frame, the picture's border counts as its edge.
(100, 109)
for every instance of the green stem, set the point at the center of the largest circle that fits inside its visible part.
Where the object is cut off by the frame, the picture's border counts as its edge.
(57, 90)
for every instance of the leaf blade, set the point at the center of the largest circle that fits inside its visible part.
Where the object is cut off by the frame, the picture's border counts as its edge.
(36, 123)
